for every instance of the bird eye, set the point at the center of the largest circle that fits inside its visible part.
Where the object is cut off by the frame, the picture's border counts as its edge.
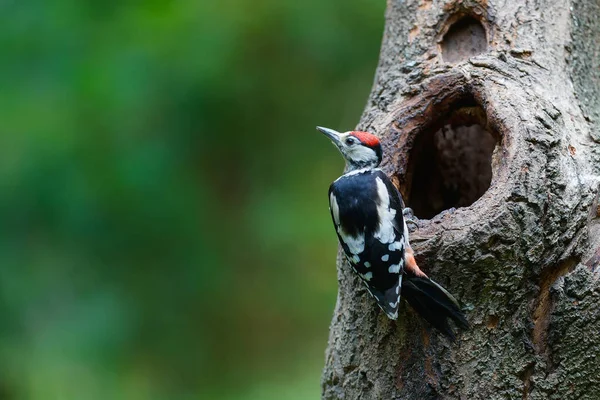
(350, 141)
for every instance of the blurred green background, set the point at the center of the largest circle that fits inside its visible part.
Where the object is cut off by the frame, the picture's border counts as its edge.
(165, 231)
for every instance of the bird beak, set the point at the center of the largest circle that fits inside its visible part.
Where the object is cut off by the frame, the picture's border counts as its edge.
(331, 134)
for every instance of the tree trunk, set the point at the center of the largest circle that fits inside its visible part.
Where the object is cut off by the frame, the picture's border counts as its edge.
(489, 112)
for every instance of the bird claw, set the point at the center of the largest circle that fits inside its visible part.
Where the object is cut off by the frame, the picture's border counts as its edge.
(410, 218)
(408, 212)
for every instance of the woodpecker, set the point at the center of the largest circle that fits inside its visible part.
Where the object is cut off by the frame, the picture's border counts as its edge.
(367, 212)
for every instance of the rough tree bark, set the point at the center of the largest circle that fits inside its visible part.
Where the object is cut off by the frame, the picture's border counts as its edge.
(490, 117)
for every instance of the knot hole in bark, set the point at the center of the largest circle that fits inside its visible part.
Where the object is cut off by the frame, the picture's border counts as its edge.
(450, 163)
(464, 39)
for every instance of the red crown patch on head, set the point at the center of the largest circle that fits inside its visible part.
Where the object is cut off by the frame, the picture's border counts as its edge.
(366, 138)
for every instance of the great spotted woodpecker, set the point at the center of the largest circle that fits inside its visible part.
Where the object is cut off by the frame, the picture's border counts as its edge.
(367, 212)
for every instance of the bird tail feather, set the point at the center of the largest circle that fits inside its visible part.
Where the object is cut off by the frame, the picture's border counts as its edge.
(434, 303)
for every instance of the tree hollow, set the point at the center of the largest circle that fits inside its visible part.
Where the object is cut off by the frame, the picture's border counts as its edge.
(450, 165)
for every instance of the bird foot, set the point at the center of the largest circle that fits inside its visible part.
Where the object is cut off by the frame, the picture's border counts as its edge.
(412, 222)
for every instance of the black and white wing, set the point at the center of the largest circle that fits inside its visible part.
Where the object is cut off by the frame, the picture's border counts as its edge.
(366, 210)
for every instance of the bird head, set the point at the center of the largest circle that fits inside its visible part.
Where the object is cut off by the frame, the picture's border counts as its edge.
(360, 149)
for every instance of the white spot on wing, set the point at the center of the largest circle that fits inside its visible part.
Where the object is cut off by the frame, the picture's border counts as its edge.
(385, 257)
(356, 259)
(396, 246)
(385, 232)
(394, 268)
(367, 264)
(368, 276)
(356, 244)
(335, 209)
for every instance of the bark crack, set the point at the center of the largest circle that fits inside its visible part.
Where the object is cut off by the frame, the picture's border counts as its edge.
(544, 306)
(526, 378)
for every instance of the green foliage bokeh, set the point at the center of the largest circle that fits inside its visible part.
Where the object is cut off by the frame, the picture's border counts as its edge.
(165, 231)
